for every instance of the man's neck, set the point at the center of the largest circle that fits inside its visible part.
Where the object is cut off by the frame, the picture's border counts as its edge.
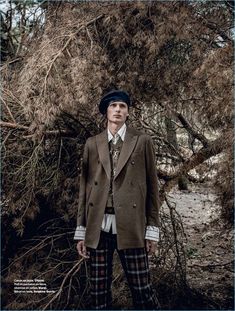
(114, 127)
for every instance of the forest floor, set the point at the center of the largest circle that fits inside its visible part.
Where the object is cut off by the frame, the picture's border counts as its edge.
(209, 253)
(209, 249)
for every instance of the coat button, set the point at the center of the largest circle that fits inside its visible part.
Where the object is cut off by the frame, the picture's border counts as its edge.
(134, 205)
(98, 161)
(132, 162)
(91, 204)
(96, 183)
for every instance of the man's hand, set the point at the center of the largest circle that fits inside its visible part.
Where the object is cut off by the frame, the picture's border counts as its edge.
(82, 251)
(151, 246)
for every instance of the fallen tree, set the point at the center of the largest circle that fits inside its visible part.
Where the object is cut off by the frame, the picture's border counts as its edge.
(162, 54)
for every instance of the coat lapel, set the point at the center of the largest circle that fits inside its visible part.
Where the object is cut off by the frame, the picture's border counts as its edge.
(103, 151)
(127, 148)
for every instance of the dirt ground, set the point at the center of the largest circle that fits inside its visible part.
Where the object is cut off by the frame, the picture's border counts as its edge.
(209, 253)
(210, 263)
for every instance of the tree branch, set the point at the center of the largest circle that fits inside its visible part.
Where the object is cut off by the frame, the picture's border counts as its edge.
(213, 148)
(191, 130)
(26, 128)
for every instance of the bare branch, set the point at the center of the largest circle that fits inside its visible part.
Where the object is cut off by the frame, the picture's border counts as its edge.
(26, 128)
(215, 147)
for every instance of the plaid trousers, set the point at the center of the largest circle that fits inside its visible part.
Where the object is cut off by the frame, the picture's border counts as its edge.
(135, 264)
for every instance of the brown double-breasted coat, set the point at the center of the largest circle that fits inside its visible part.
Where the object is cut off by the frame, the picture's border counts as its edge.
(135, 188)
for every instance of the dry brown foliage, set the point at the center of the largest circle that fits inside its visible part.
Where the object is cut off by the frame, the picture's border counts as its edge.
(174, 58)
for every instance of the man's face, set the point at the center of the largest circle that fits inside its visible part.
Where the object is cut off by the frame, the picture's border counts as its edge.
(117, 112)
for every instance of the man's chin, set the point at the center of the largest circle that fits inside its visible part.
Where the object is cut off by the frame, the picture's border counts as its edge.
(118, 121)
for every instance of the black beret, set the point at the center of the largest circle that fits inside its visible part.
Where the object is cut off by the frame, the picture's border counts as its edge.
(115, 95)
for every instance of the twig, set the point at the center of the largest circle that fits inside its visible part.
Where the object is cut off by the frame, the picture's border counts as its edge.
(213, 265)
(13, 125)
(88, 33)
(62, 284)
(39, 245)
(8, 110)
(26, 128)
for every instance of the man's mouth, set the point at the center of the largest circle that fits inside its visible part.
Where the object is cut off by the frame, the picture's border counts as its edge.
(117, 115)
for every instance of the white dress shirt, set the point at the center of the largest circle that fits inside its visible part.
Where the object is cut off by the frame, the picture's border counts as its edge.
(109, 220)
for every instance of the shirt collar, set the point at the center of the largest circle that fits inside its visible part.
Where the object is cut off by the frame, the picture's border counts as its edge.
(121, 132)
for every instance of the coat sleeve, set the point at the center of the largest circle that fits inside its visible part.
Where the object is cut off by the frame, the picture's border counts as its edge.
(81, 218)
(152, 200)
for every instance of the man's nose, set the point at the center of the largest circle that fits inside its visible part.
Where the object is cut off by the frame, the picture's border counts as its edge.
(117, 108)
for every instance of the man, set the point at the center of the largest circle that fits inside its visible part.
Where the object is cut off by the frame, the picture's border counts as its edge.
(118, 205)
